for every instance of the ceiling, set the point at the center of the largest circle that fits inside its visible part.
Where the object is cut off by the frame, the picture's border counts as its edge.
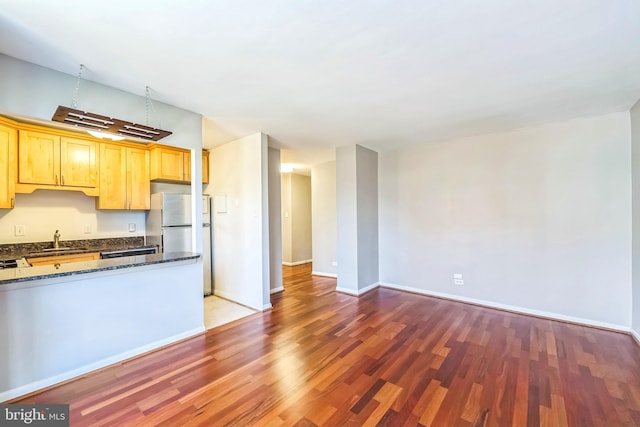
(319, 74)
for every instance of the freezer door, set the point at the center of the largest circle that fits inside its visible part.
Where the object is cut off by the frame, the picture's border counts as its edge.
(176, 209)
(176, 239)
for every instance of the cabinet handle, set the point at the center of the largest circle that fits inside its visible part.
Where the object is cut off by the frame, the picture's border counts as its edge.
(62, 176)
(56, 179)
(12, 203)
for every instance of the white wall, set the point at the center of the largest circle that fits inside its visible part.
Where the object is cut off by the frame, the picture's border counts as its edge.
(285, 217)
(265, 172)
(301, 217)
(275, 225)
(296, 218)
(537, 219)
(238, 172)
(32, 91)
(635, 150)
(323, 214)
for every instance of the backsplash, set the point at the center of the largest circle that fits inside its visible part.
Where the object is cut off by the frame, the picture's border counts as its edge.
(43, 212)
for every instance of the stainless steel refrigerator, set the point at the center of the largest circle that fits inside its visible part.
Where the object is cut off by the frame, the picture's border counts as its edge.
(169, 227)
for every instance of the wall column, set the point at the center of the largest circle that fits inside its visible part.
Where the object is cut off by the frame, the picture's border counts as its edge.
(357, 219)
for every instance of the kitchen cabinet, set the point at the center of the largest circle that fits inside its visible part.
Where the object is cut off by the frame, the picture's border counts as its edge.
(8, 137)
(168, 164)
(63, 259)
(51, 161)
(124, 178)
(186, 161)
(205, 167)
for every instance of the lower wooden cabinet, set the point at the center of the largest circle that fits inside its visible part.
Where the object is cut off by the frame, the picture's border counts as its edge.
(124, 178)
(63, 259)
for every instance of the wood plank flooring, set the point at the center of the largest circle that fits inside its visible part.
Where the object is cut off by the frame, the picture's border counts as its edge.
(386, 358)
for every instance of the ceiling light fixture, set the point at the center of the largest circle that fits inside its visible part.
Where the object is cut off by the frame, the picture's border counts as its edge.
(107, 127)
(104, 135)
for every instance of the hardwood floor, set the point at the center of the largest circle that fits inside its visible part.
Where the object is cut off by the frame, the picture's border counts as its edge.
(386, 358)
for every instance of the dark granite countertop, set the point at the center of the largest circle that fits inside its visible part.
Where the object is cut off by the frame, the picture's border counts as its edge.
(17, 275)
(37, 249)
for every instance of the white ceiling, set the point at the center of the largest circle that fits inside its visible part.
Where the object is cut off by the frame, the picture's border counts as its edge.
(319, 74)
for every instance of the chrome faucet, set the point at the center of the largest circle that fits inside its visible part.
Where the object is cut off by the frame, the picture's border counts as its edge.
(56, 239)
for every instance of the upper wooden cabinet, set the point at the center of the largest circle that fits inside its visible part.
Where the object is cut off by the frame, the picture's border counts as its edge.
(167, 164)
(171, 164)
(124, 178)
(38, 158)
(50, 161)
(8, 137)
(186, 169)
(205, 167)
(138, 185)
(78, 163)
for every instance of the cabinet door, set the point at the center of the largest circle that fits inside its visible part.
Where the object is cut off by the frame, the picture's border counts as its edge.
(38, 158)
(186, 167)
(78, 163)
(113, 177)
(63, 259)
(7, 166)
(205, 167)
(138, 185)
(168, 165)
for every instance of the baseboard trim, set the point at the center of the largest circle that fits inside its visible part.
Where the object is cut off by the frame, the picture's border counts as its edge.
(267, 307)
(635, 335)
(276, 290)
(291, 264)
(511, 308)
(359, 292)
(224, 295)
(320, 273)
(40, 385)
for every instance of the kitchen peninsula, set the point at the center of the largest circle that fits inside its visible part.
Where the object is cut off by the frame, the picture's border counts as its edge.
(60, 321)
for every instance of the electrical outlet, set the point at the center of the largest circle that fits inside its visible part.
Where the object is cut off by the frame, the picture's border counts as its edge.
(458, 282)
(132, 227)
(334, 263)
(19, 230)
(457, 275)
(86, 229)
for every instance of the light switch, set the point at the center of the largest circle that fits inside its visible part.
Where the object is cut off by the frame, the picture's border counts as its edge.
(132, 227)
(19, 230)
